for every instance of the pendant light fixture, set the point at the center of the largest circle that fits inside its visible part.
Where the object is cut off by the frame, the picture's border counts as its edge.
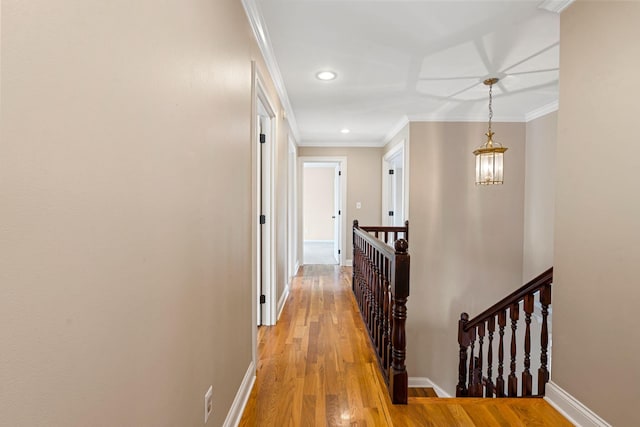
(490, 155)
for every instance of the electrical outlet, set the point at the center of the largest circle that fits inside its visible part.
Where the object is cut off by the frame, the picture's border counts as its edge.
(208, 403)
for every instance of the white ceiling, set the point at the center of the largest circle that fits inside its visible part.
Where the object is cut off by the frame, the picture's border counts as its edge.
(399, 60)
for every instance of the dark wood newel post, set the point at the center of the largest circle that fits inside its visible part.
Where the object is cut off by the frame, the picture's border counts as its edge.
(398, 378)
(463, 341)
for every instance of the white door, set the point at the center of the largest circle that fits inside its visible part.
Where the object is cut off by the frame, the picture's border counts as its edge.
(393, 188)
(337, 220)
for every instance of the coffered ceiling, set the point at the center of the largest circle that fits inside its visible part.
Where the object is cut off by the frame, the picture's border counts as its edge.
(406, 60)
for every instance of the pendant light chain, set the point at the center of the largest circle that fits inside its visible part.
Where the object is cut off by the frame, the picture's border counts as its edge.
(490, 105)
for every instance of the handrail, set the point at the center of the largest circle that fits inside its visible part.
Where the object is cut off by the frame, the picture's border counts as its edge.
(394, 230)
(381, 288)
(469, 331)
(518, 295)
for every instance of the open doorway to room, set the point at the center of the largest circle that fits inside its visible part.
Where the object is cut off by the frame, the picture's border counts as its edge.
(322, 184)
(320, 211)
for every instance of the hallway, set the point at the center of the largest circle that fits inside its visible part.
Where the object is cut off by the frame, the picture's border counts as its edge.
(317, 368)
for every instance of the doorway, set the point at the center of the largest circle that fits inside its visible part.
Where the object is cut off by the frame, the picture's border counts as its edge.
(263, 142)
(393, 187)
(322, 186)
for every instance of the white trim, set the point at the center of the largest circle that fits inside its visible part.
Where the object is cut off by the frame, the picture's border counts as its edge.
(542, 111)
(283, 299)
(317, 241)
(396, 130)
(422, 382)
(572, 408)
(556, 6)
(348, 263)
(376, 144)
(242, 396)
(261, 34)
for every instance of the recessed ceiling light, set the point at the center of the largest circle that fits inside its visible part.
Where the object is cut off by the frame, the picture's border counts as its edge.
(345, 131)
(326, 75)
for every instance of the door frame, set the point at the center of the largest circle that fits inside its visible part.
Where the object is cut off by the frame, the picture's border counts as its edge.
(260, 96)
(342, 163)
(399, 149)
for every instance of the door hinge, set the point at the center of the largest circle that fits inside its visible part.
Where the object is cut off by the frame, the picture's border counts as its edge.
(339, 212)
(263, 138)
(339, 173)
(263, 299)
(338, 251)
(391, 171)
(390, 213)
(263, 219)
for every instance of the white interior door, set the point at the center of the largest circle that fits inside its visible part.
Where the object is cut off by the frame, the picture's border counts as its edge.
(337, 220)
(393, 211)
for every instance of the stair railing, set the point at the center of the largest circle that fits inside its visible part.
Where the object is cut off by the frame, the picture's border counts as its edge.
(471, 382)
(388, 234)
(381, 288)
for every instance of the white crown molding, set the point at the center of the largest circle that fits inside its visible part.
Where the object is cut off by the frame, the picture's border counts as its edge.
(264, 43)
(345, 144)
(395, 130)
(542, 111)
(571, 408)
(423, 382)
(439, 118)
(555, 6)
(242, 396)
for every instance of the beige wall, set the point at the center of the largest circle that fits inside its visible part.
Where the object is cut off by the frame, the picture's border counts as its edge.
(318, 203)
(465, 243)
(539, 201)
(125, 129)
(364, 178)
(597, 254)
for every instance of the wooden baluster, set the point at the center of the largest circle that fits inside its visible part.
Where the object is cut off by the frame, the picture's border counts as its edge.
(373, 314)
(527, 379)
(478, 369)
(543, 372)
(386, 237)
(491, 326)
(472, 359)
(382, 314)
(514, 314)
(463, 341)
(390, 328)
(385, 324)
(406, 230)
(502, 322)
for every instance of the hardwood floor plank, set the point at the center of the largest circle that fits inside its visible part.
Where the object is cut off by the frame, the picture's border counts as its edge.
(317, 367)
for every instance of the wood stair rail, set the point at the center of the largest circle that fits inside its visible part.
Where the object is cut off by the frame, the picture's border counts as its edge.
(474, 384)
(388, 234)
(381, 288)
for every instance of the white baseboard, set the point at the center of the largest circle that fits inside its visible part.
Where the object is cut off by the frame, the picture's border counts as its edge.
(242, 396)
(348, 262)
(422, 382)
(572, 408)
(283, 300)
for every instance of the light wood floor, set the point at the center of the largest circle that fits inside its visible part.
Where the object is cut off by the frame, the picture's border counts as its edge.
(317, 368)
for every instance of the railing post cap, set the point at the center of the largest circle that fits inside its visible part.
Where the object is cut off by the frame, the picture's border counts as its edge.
(464, 317)
(355, 223)
(401, 245)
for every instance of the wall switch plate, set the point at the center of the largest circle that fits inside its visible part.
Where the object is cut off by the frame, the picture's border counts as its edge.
(208, 403)
(358, 205)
